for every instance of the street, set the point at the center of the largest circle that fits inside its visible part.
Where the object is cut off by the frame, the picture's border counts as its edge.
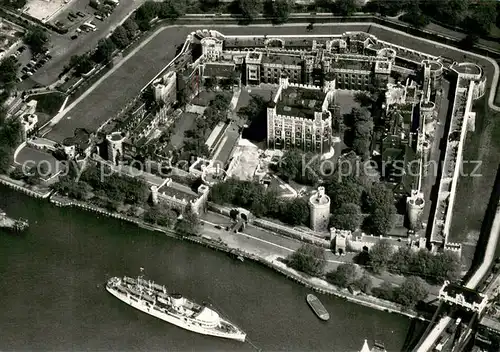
(261, 242)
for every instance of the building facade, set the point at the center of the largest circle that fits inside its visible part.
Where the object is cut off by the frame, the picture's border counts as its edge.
(299, 117)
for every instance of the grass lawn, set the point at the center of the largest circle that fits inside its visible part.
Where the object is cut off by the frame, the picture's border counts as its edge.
(49, 103)
(473, 193)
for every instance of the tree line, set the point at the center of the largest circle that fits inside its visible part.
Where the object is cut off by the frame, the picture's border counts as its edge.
(357, 200)
(260, 201)
(117, 192)
(421, 268)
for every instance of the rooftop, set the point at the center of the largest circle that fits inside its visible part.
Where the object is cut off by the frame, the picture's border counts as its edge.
(178, 191)
(282, 59)
(223, 69)
(470, 296)
(300, 102)
(352, 65)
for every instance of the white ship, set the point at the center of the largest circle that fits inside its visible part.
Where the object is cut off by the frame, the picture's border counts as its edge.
(154, 300)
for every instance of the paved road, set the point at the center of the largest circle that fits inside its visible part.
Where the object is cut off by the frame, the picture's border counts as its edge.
(63, 47)
(266, 242)
(107, 97)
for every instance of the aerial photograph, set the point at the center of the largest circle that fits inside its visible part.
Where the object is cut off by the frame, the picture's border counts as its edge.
(250, 175)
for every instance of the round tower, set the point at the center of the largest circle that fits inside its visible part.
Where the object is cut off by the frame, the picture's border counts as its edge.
(319, 205)
(427, 110)
(154, 194)
(115, 146)
(415, 206)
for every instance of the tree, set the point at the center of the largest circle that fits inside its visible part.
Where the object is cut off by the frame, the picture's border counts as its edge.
(415, 16)
(5, 159)
(481, 19)
(308, 259)
(345, 275)
(361, 131)
(189, 224)
(131, 28)
(171, 9)
(81, 63)
(8, 72)
(296, 212)
(380, 255)
(104, 51)
(289, 166)
(120, 37)
(280, 10)
(380, 222)
(347, 217)
(384, 291)
(379, 202)
(160, 215)
(249, 9)
(364, 99)
(411, 291)
(344, 191)
(36, 38)
(364, 283)
(346, 7)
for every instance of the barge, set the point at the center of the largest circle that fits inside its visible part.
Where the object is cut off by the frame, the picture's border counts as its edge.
(317, 307)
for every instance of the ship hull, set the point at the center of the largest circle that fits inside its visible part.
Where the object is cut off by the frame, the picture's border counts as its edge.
(174, 320)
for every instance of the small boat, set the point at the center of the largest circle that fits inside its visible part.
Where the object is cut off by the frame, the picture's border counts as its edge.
(317, 307)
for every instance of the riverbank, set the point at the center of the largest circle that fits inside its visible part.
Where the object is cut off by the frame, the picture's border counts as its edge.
(254, 254)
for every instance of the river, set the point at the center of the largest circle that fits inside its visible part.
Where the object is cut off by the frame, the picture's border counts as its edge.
(53, 297)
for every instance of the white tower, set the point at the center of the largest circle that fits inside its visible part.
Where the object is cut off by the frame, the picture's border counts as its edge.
(415, 206)
(319, 205)
(154, 194)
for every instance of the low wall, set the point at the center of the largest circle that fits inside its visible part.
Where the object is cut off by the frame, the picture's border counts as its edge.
(24, 190)
(279, 229)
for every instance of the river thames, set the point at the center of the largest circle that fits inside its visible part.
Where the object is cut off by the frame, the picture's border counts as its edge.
(53, 296)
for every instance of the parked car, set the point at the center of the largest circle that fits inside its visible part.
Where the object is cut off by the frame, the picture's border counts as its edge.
(49, 57)
(78, 30)
(81, 14)
(38, 65)
(70, 19)
(24, 69)
(73, 37)
(72, 14)
(21, 49)
(23, 77)
(29, 73)
(43, 61)
(99, 18)
(59, 24)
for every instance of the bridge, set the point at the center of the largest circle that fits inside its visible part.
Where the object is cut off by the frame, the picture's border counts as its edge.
(461, 307)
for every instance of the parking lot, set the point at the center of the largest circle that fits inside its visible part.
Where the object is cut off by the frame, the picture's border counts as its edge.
(62, 47)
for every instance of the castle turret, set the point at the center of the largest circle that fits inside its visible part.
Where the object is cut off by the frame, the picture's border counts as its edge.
(319, 205)
(115, 146)
(415, 207)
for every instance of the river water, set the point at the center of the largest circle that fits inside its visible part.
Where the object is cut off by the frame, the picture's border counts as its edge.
(52, 294)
